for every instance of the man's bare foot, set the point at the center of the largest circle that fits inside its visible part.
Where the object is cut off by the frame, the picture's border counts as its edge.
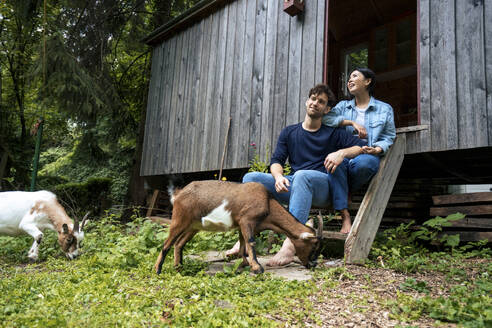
(346, 222)
(234, 250)
(285, 255)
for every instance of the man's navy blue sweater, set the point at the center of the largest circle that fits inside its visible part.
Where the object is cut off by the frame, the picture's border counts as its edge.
(307, 150)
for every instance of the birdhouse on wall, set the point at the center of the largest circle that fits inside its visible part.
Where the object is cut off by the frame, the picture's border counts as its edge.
(293, 7)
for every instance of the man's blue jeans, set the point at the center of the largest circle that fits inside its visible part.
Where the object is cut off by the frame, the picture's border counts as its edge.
(307, 187)
(351, 175)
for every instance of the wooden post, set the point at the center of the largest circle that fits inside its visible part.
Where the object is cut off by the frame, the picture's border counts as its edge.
(225, 148)
(152, 202)
(371, 210)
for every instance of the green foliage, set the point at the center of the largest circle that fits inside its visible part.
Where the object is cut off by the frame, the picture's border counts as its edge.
(412, 284)
(113, 284)
(406, 250)
(259, 165)
(431, 228)
(91, 195)
(358, 59)
(48, 182)
(468, 302)
(78, 165)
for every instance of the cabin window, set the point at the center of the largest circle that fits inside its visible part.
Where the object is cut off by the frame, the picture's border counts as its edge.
(393, 45)
(382, 36)
(352, 58)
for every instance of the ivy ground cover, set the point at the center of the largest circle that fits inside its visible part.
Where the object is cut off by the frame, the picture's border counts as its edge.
(112, 284)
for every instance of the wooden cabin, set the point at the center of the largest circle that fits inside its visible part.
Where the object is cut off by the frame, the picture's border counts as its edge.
(250, 64)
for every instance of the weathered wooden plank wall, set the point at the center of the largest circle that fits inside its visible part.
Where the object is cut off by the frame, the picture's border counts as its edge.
(455, 76)
(444, 109)
(249, 61)
(252, 62)
(420, 140)
(488, 63)
(470, 44)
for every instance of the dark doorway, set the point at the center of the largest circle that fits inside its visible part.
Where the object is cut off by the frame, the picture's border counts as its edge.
(382, 36)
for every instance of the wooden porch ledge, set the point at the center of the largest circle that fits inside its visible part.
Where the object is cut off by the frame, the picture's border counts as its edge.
(412, 128)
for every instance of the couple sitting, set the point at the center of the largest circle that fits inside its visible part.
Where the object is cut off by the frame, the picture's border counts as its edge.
(326, 161)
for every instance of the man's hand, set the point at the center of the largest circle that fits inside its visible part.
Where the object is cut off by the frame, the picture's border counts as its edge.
(360, 129)
(333, 160)
(281, 184)
(372, 150)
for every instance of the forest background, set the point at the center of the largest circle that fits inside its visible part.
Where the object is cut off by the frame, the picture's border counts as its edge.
(80, 65)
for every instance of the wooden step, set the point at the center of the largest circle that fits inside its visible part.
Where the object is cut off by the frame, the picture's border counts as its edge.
(334, 235)
(467, 236)
(467, 210)
(474, 197)
(366, 223)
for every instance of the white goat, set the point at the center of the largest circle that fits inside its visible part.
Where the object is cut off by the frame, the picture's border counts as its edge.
(221, 206)
(32, 212)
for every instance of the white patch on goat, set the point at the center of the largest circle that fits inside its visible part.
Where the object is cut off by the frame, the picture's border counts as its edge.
(219, 219)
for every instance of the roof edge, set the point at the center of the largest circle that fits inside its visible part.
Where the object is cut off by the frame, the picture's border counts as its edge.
(189, 17)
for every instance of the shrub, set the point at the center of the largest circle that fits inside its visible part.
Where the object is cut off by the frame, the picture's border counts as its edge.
(92, 195)
(49, 182)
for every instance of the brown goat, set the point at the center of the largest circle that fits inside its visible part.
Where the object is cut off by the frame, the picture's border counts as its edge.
(221, 206)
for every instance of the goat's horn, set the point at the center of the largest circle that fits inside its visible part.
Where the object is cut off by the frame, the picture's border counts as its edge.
(83, 221)
(75, 224)
(319, 232)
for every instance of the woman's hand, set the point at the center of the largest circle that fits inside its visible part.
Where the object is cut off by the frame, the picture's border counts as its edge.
(360, 129)
(371, 150)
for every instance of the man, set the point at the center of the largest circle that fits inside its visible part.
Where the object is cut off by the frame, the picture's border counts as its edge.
(314, 151)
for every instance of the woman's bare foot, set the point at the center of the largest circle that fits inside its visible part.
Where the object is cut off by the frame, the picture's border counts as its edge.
(346, 222)
(285, 255)
(234, 250)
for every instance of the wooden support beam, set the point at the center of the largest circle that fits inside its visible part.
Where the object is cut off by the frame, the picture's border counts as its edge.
(152, 203)
(366, 223)
(473, 197)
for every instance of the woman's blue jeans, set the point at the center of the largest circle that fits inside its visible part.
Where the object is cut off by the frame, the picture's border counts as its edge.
(351, 175)
(307, 188)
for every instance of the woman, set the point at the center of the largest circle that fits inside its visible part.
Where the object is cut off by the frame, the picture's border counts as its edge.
(373, 121)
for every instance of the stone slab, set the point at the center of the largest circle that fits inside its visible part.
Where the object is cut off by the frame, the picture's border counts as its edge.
(293, 271)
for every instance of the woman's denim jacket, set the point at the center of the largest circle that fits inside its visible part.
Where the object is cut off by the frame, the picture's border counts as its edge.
(379, 121)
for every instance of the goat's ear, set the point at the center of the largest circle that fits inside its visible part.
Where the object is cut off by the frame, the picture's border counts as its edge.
(307, 235)
(65, 228)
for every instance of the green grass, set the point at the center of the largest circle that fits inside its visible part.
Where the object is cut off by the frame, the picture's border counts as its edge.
(113, 283)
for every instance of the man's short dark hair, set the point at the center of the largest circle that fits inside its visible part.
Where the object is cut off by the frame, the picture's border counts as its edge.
(323, 88)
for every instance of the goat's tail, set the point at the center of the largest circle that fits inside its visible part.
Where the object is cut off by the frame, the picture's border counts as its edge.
(176, 183)
(170, 191)
(173, 192)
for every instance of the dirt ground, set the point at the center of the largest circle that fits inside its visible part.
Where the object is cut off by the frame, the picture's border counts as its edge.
(359, 301)
(359, 298)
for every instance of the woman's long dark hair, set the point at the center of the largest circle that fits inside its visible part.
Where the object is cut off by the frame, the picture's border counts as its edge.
(368, 74)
